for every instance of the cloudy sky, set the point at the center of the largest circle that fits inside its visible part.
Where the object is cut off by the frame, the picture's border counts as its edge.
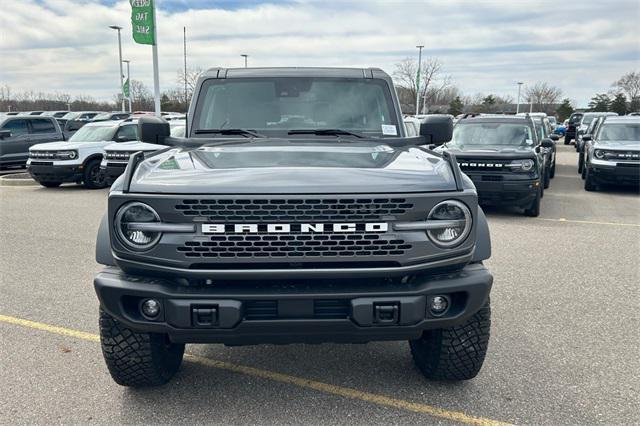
(486, 46)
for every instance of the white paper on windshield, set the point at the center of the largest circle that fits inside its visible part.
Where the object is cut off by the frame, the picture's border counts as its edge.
(389, 130)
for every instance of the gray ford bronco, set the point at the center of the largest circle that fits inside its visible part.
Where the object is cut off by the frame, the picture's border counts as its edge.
(295, 210)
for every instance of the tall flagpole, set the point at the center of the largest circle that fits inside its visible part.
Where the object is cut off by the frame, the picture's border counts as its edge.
(156, 73)
(418, 79)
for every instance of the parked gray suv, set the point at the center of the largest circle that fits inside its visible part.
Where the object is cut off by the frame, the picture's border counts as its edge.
(18, 133)
(295, 210)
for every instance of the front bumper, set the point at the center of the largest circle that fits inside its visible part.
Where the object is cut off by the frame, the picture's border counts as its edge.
(606, 172)
(46, 171)
(112, 170)
(505, 192)
(240, 313)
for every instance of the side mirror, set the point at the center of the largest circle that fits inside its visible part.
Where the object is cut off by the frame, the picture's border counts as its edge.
(73, 125)
(436, 129)
(153, 130)
(547, 143)
(586, 138)
(554, 137)
(5, 134)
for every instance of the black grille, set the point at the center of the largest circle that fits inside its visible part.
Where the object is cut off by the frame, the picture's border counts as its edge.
(492, 178)
(287, 210)
(279, 246)
(322, 309)
(483, 165)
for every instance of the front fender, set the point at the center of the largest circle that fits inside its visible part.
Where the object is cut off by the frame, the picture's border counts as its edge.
(483, 238)
(103, 243)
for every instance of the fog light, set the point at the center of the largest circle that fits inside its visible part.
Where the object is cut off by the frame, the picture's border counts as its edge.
(151, 308)
(439, 305)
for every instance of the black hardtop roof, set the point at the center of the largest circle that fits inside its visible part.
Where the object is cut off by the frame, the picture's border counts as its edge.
(496, 119)
(615, 119)
(295, 72)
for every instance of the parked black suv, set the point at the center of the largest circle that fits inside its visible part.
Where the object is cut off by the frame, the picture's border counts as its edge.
(574, 123)
(19, 132)
(503, 157)
(612, 154)
(296, 210)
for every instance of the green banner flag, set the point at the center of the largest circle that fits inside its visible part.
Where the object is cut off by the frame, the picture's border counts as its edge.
(143, 29)
(125, 88)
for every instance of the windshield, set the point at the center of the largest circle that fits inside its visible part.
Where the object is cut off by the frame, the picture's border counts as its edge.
(575, 118)
(70, 116)
(94, 134)
(177, 131)
(273, 106)
(541, 129)
(102, 116)
(619, 132)
(588, 119)
(479, 134)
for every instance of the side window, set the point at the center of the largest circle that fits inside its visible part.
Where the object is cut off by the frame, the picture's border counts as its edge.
(127, 133)
(42, 126)
(17, 127)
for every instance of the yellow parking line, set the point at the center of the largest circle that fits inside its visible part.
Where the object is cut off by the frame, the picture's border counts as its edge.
(50, 328)
(590, 222)
(415, 407)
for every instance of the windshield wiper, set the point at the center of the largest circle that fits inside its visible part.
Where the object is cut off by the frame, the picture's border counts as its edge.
(330, 132)
(243, 132)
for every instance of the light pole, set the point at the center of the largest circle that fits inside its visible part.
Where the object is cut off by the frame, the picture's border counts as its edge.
(418, 78)
(126, 61)
(245, 56)
(117, 28)
(520, 83)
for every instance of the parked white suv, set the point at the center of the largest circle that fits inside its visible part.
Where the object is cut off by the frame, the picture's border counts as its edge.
(78, 159)
(117, 155)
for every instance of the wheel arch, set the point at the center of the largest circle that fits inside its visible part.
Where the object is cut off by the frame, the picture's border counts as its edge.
(103, 243)
(483, 238)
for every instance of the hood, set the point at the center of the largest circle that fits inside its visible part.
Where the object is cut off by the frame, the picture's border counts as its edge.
(64, 145)
(618, 145)
(491, 151)
(134, 146)
(286, 167)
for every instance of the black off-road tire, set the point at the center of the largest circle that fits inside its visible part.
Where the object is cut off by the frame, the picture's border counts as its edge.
(553, 170)
(547, 180)
(137, 359)
(454, 353)
(589, 185)
(92, 177)
(534, 209)
(50, 184)
(580, 162)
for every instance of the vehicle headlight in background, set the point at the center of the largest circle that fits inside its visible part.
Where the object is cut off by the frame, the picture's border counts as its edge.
(67, 155)
(599, 154)
(455, 227)
(522, 165)
(129, 226)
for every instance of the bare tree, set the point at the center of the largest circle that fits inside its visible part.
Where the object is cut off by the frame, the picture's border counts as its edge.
(542, 95)
(191, 78)
(432, 82)
(629, 84)
(141, 98)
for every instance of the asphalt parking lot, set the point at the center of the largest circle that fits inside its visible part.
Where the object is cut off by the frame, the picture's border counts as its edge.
(564, 344)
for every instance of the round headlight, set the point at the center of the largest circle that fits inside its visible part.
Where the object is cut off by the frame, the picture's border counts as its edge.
(599, 154)
(527, 165)
(456, 223)
(125, 220)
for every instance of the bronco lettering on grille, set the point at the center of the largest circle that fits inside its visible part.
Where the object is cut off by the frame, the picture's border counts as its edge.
(303, 228)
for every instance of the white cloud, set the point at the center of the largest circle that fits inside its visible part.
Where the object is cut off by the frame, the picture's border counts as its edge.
(65, 45)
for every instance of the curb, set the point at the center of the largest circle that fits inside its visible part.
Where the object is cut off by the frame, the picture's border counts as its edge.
(13, 180)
